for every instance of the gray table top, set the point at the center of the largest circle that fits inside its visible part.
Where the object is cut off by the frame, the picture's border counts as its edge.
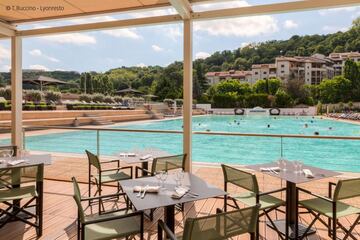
(291, 176)
(31, 160)
(155, 153)
(163, 198)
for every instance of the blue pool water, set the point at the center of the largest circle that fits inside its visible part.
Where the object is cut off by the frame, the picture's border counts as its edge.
(341, 155)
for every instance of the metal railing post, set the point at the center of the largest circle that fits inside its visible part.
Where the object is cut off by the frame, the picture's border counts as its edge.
(281, 147)
(98, 143)
(24, 138)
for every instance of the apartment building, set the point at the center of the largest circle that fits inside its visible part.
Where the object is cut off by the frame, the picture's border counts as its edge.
(339, 60)
(216, 77)
(310, 70)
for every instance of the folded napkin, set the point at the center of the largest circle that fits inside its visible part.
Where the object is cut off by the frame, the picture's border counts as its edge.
(146, 157)
(179, 192)
(127, 154)
(270, 169)
(16, 162)
(149, 189)
(308, 173)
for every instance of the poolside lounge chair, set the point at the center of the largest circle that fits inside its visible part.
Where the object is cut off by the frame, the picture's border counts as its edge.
(333, 207)
(106, 225)
(113, 175)
(222, 225)
(252, 196)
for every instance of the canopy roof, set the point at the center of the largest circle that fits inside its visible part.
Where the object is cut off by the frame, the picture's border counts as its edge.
(42, 80)
(33, 10)
(128, 90)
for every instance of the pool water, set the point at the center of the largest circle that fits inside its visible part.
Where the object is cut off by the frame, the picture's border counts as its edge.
(341, 155)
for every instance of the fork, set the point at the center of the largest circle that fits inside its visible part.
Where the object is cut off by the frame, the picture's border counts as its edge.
(139, 193)
(143, 194)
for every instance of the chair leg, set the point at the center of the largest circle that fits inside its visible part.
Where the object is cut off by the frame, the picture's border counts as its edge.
(329, 227)
(257, 235)
(252, 236)
(100, 201)
(82, 232)
(160, 233)
(334, 225)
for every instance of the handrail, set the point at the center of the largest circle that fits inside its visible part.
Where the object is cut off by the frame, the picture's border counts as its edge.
(194, 132)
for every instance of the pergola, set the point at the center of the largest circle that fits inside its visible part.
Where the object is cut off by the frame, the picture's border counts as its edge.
(11, 16)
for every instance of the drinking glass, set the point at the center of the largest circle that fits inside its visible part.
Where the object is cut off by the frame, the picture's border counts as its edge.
(164, 176)
(300, 166)
(158, 177)
(295, 163)
(282, 164)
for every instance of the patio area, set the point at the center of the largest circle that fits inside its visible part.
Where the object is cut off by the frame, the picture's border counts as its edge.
(60, 210)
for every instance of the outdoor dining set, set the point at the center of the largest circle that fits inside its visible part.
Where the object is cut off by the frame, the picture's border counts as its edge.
(154, 180)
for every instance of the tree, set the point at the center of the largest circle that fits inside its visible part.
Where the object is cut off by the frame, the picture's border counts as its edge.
(282, 99)
(335, 90)
(234, 86)
(269, 86)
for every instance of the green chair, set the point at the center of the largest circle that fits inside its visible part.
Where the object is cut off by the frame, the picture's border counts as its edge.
(106, 225)
(162, 164)
(25, 184)
(333, 207)
(104, 176)
(252, 195)
(222, 225)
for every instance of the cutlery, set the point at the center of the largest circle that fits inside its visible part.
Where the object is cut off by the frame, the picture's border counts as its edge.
(139, 193)
(143, 194)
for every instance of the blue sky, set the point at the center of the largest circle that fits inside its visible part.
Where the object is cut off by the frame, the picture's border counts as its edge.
(161, 45)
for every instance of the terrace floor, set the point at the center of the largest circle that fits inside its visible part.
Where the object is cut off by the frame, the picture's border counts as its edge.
(60, 210)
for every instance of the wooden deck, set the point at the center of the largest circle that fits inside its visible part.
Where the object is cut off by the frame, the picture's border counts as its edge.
(60, 210)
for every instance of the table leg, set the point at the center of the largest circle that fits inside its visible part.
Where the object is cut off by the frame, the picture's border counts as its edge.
(169, 217)
(145, 165)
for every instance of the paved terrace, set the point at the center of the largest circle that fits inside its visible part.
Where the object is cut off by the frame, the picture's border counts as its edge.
(60, 210)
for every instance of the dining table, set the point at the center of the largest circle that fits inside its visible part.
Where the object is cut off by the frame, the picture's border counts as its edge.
(293, 176)
(198, 190)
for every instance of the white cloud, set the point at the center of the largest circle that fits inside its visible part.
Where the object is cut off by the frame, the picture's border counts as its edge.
(244, 44)
(157, 48)
(238, 27)
(4, 53)
(71, 38)
(337, 10)
(202, 55)
(142, 65)
(5, 68)
(290, 24)
(153, 13)
(220, 5)
(38, 53)
(123, 33)
(38, 67)
(333, 29)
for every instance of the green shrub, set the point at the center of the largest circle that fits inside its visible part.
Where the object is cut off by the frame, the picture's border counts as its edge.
(98, 98)
(282, 99)
(257, 100)
(118, 99)
(228, 100)
(33, 95)
(53, 96)
(85, 98)
(5, 93)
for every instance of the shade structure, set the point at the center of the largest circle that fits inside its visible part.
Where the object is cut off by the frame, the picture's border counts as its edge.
(128, 91)
(44, 81)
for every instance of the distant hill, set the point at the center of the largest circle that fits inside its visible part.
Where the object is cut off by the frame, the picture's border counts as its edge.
(61, 75)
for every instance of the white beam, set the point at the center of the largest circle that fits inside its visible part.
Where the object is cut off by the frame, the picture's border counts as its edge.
(102, 25)
(187, 93)
(7, 30)
(305, 5)
(183, 7)
(16, 92)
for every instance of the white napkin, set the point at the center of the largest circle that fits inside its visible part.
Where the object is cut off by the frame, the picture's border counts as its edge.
(179, 192)
(308, 173)
(276, 169)
(127, 154)
(145, 157)
(16, 162)
(149, 189)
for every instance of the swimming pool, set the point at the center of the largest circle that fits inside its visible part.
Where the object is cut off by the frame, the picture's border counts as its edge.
(341, 155)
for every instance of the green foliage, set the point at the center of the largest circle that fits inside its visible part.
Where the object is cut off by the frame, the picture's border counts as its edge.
(226, 100)
(98, 98)
(5, 93)
(268, 86)
(118, 99)
(33, 95)
(282, 99)
(257, 100)
(108, 99)
(335, 90)
(233, 86)
(53, 96)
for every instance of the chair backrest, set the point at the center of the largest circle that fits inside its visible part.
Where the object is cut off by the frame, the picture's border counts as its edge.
(20, 175)
(77, 197)
(93, 160)
(346, 189)
(168, 163)
(240, 178)
(222, 225)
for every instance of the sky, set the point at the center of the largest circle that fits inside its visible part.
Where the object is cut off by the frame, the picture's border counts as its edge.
(162, 44)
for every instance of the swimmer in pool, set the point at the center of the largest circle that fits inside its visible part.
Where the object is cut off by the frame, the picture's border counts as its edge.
(208, 130)
(316, 133)
(330, 128)
(305, 125)
(268, 125)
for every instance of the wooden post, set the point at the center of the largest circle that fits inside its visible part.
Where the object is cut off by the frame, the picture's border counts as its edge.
(187, 93)
(16, 92)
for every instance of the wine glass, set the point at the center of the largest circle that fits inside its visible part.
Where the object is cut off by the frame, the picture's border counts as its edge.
(296, 165)
(300, 166)
(164, 176)
(158, 177)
